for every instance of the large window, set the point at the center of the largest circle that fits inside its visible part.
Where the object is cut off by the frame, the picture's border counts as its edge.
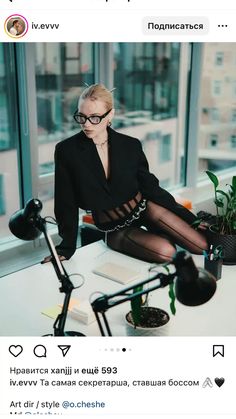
(147, 78)
(217, 130)
(61, 71)
(9, 188)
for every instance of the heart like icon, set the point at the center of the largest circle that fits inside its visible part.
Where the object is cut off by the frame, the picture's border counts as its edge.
(219, 381)
(15, 350)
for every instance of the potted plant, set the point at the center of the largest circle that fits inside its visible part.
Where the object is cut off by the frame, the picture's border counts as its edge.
(223, 231)
(146, 317)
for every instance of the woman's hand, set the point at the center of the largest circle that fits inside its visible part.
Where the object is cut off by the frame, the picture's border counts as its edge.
(49, 258)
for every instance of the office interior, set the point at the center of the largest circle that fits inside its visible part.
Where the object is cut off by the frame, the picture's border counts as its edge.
(179, 99)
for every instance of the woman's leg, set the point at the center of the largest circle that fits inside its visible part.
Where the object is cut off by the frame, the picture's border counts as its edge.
(141, 244)
(178, 230)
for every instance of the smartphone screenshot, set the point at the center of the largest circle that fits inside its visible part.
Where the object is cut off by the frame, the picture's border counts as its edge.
(117, 209)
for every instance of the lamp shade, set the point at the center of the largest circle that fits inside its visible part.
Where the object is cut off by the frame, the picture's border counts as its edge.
(23, 223)
(194, 286)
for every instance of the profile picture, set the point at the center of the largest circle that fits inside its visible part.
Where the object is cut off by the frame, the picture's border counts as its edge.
(16, 26)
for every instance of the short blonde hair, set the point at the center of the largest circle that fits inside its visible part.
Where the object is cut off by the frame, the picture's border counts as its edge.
(98, 92)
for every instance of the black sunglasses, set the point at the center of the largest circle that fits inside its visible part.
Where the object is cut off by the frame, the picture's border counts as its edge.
(80, 118)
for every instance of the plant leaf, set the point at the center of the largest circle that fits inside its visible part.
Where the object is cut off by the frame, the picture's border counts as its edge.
(136, 304)
(172, 298)
(234, 182)
(166, 267)
(219, 203)
(233, 186)
(223, 193)
(213, 178)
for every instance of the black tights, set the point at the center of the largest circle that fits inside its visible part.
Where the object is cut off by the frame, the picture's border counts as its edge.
(157, 243)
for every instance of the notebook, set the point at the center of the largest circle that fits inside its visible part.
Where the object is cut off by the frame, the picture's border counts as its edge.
(117, 273)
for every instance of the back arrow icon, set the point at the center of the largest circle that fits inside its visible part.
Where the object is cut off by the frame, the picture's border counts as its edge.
(64, 349)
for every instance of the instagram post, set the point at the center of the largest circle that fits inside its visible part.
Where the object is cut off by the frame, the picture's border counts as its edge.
(144, 105)
(117, 214)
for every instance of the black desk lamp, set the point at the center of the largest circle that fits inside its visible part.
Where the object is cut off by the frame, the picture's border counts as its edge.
(192, 287)
(27, 224)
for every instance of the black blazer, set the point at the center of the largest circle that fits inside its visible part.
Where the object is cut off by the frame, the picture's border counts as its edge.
(80, 182)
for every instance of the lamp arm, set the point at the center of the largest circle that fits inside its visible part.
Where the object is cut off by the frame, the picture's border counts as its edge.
(103, 303)
(66, 284)
(58, 267)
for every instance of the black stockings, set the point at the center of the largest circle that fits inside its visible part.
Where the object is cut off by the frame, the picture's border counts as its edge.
(164, 229)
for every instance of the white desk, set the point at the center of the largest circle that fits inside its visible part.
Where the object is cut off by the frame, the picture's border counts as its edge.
(26, 293)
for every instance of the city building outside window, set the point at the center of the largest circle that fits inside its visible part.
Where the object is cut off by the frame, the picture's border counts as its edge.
(150, 98)
(217, 87)
(46, 168)
(234, 89)
(219, 58)
(233, 141)
(2, 196)
(216, 151)
(233, 115)
(165, 149)
(215, 114)
(213, 142)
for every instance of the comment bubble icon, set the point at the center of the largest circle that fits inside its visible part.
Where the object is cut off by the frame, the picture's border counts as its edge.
(40, 351)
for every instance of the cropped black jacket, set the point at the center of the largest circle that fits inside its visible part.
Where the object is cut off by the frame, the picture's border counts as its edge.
(80, 182)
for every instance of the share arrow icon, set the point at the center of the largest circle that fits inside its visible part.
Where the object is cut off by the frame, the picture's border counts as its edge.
(64, 349)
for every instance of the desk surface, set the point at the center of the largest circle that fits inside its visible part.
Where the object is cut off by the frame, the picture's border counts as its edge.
(26, 293)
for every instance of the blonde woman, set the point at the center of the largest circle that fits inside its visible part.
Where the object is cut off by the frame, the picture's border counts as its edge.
(104, 171)
(20, 28)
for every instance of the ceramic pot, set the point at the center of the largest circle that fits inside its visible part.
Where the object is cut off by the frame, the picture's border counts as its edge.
(151, 317)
